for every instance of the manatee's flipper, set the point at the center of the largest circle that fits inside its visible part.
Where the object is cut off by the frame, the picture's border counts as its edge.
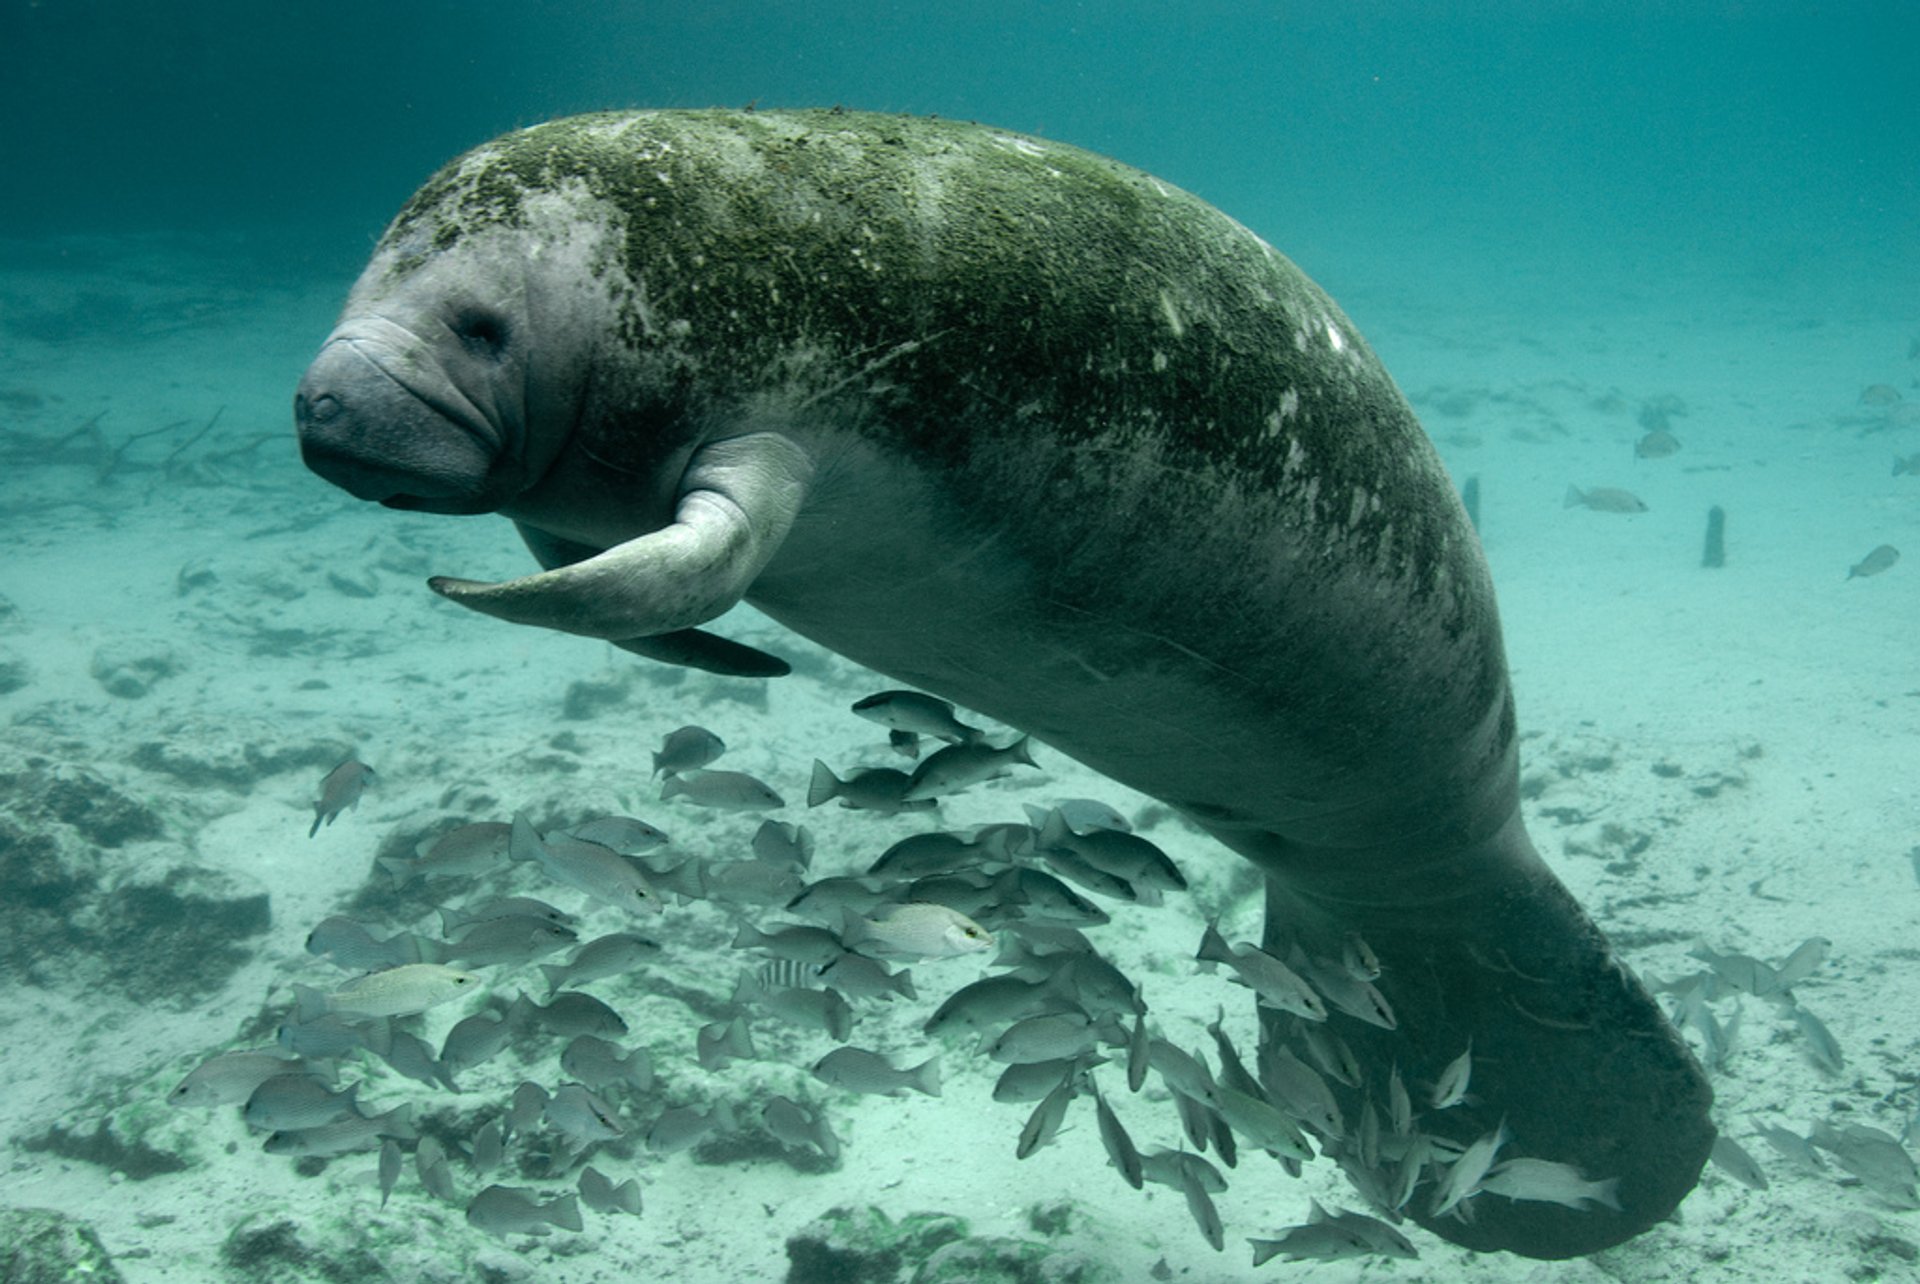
(1486, 947)
(688, 648)
(738, 499)
(698, 649)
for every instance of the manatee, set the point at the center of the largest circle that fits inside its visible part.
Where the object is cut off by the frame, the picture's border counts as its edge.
(1047, 437)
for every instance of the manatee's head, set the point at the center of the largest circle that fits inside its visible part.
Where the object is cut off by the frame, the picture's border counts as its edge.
(456, 375)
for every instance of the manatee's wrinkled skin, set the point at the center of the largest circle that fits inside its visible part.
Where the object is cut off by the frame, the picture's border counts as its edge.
(1045, 436)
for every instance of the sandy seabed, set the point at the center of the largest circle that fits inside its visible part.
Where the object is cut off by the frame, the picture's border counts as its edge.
(1715, 757)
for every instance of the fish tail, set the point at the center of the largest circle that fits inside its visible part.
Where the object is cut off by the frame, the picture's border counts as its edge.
(824, 787)
(556, 974)
(309, 1005)
(563, 1212)
(319, 811)
(1021, 750)
(925, 1077)
(1575, 498)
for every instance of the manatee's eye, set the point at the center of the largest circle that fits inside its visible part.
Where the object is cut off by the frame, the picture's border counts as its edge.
(483, 331)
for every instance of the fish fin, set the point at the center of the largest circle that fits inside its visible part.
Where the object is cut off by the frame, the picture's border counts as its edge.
(309, 1005)
(925, 1077)
(1575, 497)
(563, 1212)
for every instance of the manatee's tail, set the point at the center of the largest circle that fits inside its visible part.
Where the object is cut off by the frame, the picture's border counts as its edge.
(1569, 1050)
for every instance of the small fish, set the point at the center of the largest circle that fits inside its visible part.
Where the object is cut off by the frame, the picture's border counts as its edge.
(230, 1078)
(1332, 1237)
(411, 1056)
(681, 1127)
(1296, 1088)
(392, 1160)
(957, 766)
(526, 1107)
(1182, 1072)
(1821, 1045)
(858, 1070)
(875, 789)
(1657, 444)
(1803, 962)
(800, 1126)
(1043, 1124)
(1399, 1104)
(1020, 1083)
(721, 1043)
(615, 954)
(1875, 1157)
(916, 931)
(859, 977)
(576, 1111)
(1545, 1181)
(509, 1210)
(489, 1147)
(567, 1014)
(917, 714)
(1450, 1089)
(1081, 814)
(722, 791)
(430, 1162)
(624, 834)
(463, 852)
(1052, 1037)
(1262, 1124)
(344, 1136)
(1275, 985)
(1880, 559)
(339, 791)
(510, 941)
(1794, 1148)
(1125, 856)
(1465, 1174)
(1879, 394)
(292, 1101)
(397, 991)
(352, 946)
(1166, 1167)
(824, 1009)
(1121, 1152)
(1205, 1215)
(600, 872)
(1604, 499)
(687, 749)
(454, 921)
(1358, 958)
(600, 1064)
(331, 1036)
(1731, 1158)
(811, 945)
(598, 1192)
(473, 1041)
(778, 843)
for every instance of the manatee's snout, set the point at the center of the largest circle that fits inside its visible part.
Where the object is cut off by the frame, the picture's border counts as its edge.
(407, 443)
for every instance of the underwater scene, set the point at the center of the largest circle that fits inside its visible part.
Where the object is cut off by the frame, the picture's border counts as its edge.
(1011, 643)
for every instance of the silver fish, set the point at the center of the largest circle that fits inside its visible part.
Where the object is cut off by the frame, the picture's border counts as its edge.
(411, 1056)
(1125, 856)
(612, 955)
(1205, 1215)
(453, 921)
(1052, 1037)
(397, 991)
(1821, 1045)
(570, 1013)
(719, 1044)
(1450, 1089)
(292, 1101)
(600, 1064)
(722, 791)
(598, 1192)
(778, 843)
(392, 1160)
(1274, 984)
(1166, 1167)
(960, 765)
(1875, 1157)
(509, 941)
(1731, 1158)
(473, 1041)
(1794, 1148)
(680, 1127)
(344, 1136)
(601, 872)
(525, 1108)
(858, 1070)
(800, 1126)
(353, 946)
(1465, 1174)
(340, 790)
(859, 977)
(1605, 499)
(230, 1078)
(1044, 1123)
(1030, 1081)
(462, 852)
(1262, 1124)
(326, 1037)
(1658, 444)
(1334, 1236)
(509, 1210)
(1081, 815)
(576, 1111)
(430, 1162)
(812, 945)
(922, 855)
(994, 1001)
(1295, 1087)
(1544, 1181)
(1803, 962)
(489, 1147)
(687, 749)
(624, 834)
(875, 789)
(917, 714)
(825, 1010)
(916, 931)
(1120, 1148)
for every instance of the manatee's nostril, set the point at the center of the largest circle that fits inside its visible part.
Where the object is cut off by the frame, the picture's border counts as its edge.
(320, 409)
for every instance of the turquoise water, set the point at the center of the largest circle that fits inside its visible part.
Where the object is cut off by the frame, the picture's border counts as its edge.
(1562, 226)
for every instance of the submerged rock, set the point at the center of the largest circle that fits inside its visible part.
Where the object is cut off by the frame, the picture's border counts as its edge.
(41, 1246)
